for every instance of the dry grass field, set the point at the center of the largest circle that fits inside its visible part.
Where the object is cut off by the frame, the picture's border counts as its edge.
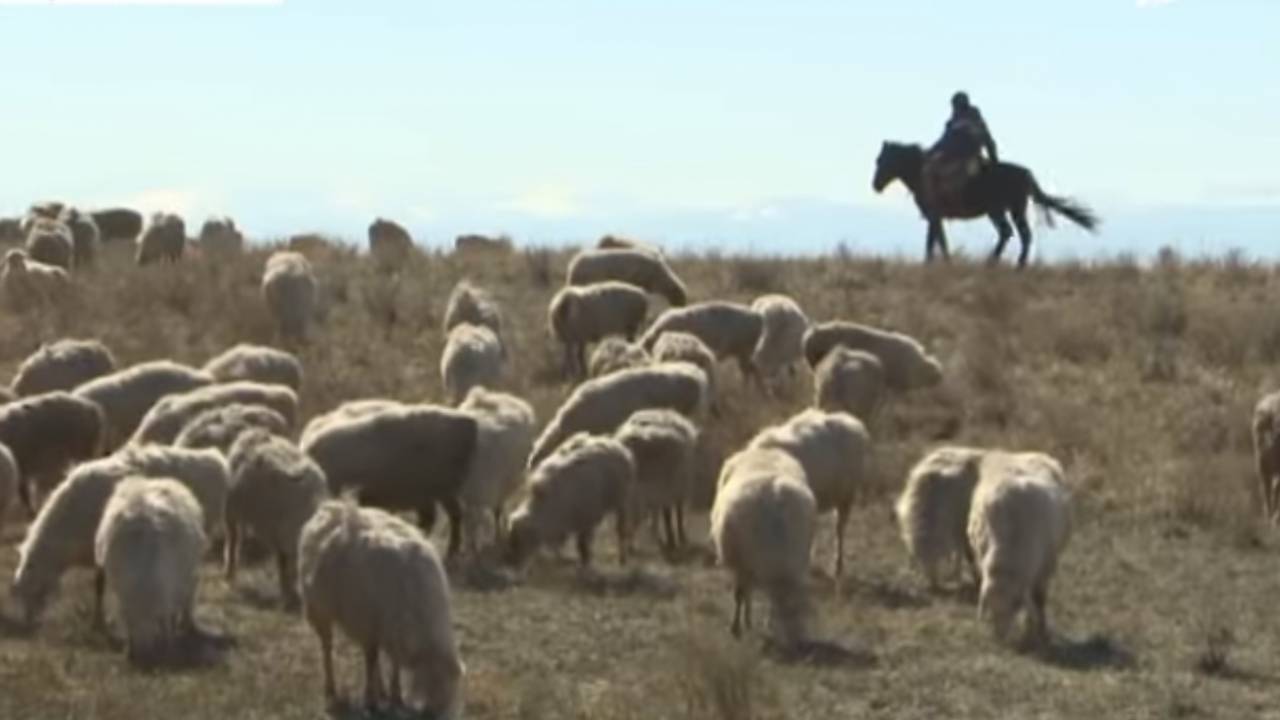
(1141, 380)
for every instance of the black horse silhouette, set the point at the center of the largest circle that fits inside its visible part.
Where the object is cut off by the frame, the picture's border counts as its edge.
(1000, 191)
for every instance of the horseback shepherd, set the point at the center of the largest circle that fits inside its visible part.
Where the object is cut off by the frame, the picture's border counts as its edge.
(957, 157)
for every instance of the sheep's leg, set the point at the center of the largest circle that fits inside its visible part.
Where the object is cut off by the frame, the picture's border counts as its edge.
(372, 678)
(681, 538)
(231, 552)
(584, 548)
(623, 528)
(285, 565)
(842, 518)
(325, 632)
(1266, 479)
(397, 699)
(1040, 624)
(972, 562)
(739, 603)
(454, 510)
(24, 494)
(497, 525)
(99, 589)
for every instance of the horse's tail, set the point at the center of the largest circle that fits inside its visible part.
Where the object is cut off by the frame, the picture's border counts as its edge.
(1073, 210)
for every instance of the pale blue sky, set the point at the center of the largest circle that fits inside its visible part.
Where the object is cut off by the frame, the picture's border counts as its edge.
(732, 122)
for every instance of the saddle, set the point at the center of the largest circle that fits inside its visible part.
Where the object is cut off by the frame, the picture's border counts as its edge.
(945, 179)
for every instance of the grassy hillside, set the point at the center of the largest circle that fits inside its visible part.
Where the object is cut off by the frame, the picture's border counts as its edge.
(1141, 380)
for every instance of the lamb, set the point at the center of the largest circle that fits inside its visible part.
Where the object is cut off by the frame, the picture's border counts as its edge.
(220, 237)
(117, 223)
(505, 428)
(779, 347)
(728, 329)
(220, 427)
(274, 490)
(472, 242)
(166, 419)
(257, 363)
(601, 405)
(580, 315)
(399, 457)
(148, 550)
(614, 353)
(472, 305)
(906, 364)
(637, 267)
(164, 238)
(833, 449)
(849, 381)
(472, 357)
(47, 434)
(389, 243)
(126, 395)
(762, 526)
(1019, 523)
(61, 537)
(8, 482)
(570, 493)
(662, 444)
(50, 242)
(1266, 448)
(676, 346)
(933, 509)
(26, 282)
(62, 365)
(290, 291)
(343, 552)
(85, 237)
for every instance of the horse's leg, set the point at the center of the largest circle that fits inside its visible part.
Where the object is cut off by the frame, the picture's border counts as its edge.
(929, 237)
(941, 234)
(1024, 233)
(1005, 230)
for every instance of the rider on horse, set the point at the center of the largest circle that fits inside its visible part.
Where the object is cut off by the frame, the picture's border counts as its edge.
(957, 156)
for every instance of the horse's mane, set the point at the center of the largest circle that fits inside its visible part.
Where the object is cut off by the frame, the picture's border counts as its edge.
(905, 148)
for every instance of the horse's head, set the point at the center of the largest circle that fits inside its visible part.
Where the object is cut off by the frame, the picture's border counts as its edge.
(895, 162)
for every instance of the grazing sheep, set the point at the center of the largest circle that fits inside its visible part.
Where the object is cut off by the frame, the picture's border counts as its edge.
(290, 291)
(275, 489)
(389, 243)
(580, 315)
(220, 237)
(662, 444)
(45, 210)
(164, 238)
(407, 457)
(849, 381)
(906, 364)
(257, 363)
(26, 282)
(779, 347)
(126, 396)
(762, 525)
(117, 223)
(474, 306)
(349, 410)
(614, 353)
(47, 434)
(472, 357)
(343, 553)
(50, 242)
(833, 449)
(602, 404)
(220, 427)
(636, 267)
(1266, 448)
(505, 428)
(933, 509)
(570, 493)
(481, 243)
(62, 365)
(676, 346)
(85, 237)
(8, 482)
(1019, 523)
(728, 329)
(148, 551)
(166, 419)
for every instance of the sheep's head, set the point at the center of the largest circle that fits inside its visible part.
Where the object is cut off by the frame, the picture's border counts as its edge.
(15, 261)
(522, 536)
(32, 590)
(924, 372)
(997, 604)
(435, 687)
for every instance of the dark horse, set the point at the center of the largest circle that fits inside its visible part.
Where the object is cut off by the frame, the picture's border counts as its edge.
(1000, 191)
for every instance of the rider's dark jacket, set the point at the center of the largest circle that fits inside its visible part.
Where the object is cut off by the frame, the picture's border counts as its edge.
(966, 135)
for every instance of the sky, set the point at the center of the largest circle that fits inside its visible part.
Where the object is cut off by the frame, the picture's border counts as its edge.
(740, 125)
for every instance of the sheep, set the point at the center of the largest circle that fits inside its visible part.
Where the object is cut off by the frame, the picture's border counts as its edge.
(350, 410)
(117, 223)
(1266, 449)
(833, 449)
(85, 237)
(166, 419)
(728, 329)
(257, 363)
(472, 242)
(933, 509)
(26, 282)
(615, 242)
(906, 364)
(274, 490)
(601, 405)
(779, 346)
(505, 426)
(1019, 523)
(570, 493)
(762, 527)
(62, 365)
(148, 549)
(580, 315)
(474, 306)
(290, 292)
(8, 482)
(849, 381)
(399, 457)
(614, 353)
(389, 243)
(662, 444)
(220, 237)
(51, 242)
(164, 238)
(47, 434)
(45, 210)
(637, 267)
(126, 396)
(472, 357)
(676, 346)
(61, 537)
(219, 427)
(344, 554)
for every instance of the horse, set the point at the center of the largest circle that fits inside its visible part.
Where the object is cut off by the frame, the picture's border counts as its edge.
(1000, 191)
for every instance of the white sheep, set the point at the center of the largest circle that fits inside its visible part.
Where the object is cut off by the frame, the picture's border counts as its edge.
(933, 509)
(906, 364)
(26, 282)
(163, 239)
(220, 237)
(290, 292)
(347, 556)
(126, 396)
(570, 493)
(728, 329)
(602, 404)
(580, 315)
(662, 444)
(676, 346)
(614, 353)
(849, 381)
(50, 242)
(165, 420)
(1266, 449)
(629, 265)
(475, 306)
(833, 449)
(389, 243)
(472, 357)
(47, 434)
(219, 427)
(258, 363)
(275, 489)
(1019, 523)
(8, 483)
(148, 549)
(505, 429)
(780, 345)
(762, 526)
(62, 365)
(85, 237)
